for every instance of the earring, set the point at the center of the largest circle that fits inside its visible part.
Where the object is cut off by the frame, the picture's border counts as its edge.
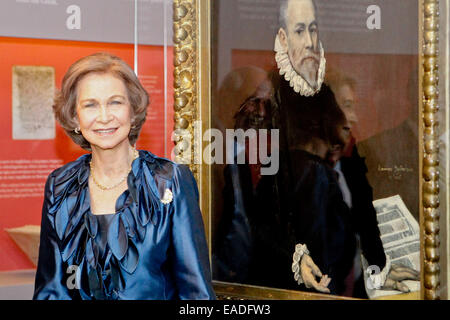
(77, 130)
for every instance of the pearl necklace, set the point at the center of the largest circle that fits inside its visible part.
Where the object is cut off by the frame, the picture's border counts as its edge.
(102, 187)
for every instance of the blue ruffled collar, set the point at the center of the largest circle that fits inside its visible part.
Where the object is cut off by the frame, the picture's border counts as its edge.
(77, 227)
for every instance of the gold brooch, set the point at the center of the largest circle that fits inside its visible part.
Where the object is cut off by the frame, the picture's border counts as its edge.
(168, 197)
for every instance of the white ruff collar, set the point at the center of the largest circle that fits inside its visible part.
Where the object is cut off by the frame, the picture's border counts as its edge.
(295, 80)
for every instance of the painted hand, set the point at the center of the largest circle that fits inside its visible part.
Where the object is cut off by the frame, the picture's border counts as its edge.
(397, 274)
(310, 271)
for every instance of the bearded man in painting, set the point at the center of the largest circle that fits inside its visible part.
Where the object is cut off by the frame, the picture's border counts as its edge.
(301, 230)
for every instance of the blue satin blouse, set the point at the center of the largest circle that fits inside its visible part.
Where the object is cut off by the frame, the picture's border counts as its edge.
(154, 250)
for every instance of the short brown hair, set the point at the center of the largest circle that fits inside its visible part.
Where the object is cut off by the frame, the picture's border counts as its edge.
(66, 98)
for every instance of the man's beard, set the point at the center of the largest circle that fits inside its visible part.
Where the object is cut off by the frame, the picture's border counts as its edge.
(308, 69)
(308, 80)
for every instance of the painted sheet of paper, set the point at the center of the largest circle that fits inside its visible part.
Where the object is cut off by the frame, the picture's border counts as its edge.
(400, 235)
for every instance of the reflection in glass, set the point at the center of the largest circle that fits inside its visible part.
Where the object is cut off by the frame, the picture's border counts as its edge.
(339, 102)
(154, 56)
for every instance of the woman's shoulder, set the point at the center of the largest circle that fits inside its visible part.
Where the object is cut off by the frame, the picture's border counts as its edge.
(166, 174)
(162, 167)
(72, 170)
(61, 184)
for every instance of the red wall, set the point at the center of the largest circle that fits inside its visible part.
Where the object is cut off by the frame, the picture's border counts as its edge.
(16, 212)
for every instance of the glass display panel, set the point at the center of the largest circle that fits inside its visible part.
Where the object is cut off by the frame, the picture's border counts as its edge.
(286, 77)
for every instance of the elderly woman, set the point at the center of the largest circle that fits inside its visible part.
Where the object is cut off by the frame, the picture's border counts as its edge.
(117, 223)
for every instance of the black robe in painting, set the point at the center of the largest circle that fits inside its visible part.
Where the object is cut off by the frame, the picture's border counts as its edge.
(266, 216)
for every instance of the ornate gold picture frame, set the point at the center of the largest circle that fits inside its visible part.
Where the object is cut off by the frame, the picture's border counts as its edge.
(193, 62)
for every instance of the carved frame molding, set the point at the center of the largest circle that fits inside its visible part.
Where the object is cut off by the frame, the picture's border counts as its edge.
(430, 173)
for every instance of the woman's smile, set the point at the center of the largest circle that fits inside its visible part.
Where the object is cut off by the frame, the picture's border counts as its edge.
(105, 132)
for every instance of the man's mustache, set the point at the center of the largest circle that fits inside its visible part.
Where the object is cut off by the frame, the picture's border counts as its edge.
(315, 58)
(311, 54)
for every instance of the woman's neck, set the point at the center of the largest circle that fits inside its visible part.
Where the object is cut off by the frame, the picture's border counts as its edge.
(110, 164)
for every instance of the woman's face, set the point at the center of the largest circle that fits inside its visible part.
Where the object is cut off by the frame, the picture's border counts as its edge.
(104, 111)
